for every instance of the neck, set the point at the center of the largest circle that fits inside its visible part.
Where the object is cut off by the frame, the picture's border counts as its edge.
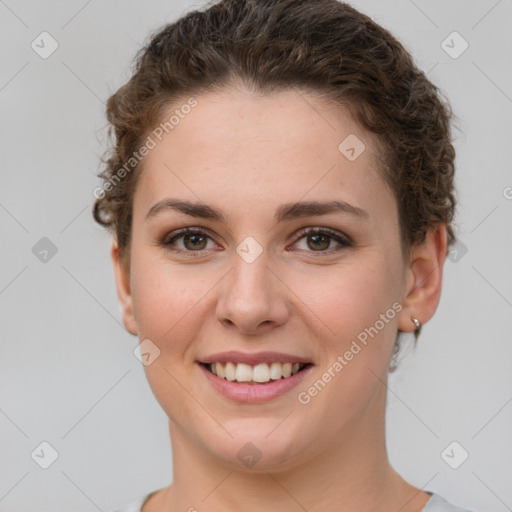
(351, 473)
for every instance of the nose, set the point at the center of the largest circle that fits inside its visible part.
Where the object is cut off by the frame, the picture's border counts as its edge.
(252, 298)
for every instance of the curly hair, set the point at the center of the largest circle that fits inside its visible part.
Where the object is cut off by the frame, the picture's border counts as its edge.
(322, 46)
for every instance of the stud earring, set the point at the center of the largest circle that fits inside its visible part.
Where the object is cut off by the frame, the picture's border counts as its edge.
(417, 329)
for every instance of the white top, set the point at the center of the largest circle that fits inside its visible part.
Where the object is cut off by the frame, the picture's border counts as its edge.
(435, 504)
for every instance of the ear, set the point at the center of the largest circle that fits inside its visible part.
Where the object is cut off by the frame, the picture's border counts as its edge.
(424, 276)
(123, 289)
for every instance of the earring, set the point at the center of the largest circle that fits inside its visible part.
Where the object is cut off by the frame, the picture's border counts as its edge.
(417, 329)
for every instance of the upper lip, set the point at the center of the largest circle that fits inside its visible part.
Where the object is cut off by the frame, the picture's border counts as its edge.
(253, 358)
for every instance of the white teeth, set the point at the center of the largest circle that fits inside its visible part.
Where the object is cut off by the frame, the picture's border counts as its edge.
(229, 371)
(261, 373)
(219, 369)
(276, 371)
(243, 372)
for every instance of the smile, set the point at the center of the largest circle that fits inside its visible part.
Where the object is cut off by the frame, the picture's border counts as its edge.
(256, 374)
(254, 377)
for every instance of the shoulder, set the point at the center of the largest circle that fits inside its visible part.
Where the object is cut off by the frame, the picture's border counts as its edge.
(435, 504)
(134, 505)
(438, 504)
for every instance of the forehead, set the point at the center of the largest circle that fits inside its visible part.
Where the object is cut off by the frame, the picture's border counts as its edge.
(246, 150)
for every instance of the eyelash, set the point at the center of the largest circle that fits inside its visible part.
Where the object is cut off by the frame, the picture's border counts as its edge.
(342, 239)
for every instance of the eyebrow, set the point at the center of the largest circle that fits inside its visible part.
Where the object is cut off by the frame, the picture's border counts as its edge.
(285, 212)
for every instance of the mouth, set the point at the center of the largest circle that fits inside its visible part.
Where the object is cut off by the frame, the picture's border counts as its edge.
(254, 377)
(257, 374)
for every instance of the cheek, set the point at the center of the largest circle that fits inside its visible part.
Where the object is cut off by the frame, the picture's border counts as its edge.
(166, 299)
(348, 299)
(168, 308)
(172, 303)
(351, 305)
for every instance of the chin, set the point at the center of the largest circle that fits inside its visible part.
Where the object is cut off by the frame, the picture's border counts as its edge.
(258, 446)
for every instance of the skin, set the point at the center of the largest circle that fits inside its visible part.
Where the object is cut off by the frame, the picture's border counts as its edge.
(247, 155)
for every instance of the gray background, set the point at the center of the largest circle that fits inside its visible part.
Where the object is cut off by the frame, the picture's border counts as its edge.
(68, 373)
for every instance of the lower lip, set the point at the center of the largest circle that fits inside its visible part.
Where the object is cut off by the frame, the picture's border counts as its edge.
(251, 393)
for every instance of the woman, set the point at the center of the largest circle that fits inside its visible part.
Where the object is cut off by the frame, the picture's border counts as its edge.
(281, 195)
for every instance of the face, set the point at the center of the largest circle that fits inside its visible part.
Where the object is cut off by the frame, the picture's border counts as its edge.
(292, 256)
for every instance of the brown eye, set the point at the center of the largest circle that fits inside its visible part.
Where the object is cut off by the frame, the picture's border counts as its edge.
(195, 241)
(318, 242)
(188, 241)
(321, 240)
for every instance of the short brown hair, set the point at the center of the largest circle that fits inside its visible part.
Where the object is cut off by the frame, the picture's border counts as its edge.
(323, 46)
